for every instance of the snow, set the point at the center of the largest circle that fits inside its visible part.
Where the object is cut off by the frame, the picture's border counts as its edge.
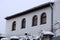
(30, 37)
(47, 33)
(36, 37)
(23, 37)
(4, 39)
(14, 37)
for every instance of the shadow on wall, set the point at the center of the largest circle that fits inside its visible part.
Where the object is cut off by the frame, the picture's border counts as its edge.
(56, 38)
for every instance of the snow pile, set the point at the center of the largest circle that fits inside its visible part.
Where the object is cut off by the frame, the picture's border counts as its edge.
(4, 39)
(47, 33)
(14, 37)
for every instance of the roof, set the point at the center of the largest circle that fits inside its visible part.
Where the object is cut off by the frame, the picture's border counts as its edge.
(47, 33)
(30, 10)
(2, 35)
(4, 39)
(14, 37)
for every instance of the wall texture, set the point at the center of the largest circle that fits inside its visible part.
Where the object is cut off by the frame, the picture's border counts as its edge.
(29, 29)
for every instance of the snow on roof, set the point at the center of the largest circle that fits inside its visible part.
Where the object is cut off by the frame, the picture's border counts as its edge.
(23, 37)
(30, 37)
(14, 37)
(34, 37)
(30, 10)
(4, 39)
(47, 33)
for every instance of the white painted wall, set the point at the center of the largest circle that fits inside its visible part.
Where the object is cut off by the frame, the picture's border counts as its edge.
(36, 29)
(57, 0)
(56, 16)
(29, 29)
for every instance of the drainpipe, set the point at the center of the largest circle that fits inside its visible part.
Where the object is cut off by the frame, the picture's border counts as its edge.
(51, 5)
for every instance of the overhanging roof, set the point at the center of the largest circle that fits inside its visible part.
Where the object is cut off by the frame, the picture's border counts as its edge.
(47, 33)
(30, 10)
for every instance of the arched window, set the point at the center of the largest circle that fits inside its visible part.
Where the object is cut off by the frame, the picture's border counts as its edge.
(23, 23)
(34, 20)
(43, 18)
(14, 26)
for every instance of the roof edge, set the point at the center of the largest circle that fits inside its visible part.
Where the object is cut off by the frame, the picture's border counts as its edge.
(30, 10)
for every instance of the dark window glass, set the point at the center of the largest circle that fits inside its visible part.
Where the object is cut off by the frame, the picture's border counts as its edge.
(43, 18)
(34, 20)
(28, 39)
(23, 23)
(38, 39)
(34, 39)
(14, 26)
(14, 39)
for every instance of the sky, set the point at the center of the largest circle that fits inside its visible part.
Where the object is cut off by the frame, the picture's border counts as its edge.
(11, 7)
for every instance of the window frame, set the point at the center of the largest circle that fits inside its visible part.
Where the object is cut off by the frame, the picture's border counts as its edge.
(35, 20)
(14, 26)
(23, 23)
(43, 18)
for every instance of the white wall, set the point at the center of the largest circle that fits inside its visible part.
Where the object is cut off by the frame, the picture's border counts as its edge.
(56, 17)
(57, 0)
(29, 29)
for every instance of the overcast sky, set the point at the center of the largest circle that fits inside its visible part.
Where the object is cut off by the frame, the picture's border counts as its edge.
(10, 7)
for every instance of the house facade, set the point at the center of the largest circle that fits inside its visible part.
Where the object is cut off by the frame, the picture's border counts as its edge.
(43, 19)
